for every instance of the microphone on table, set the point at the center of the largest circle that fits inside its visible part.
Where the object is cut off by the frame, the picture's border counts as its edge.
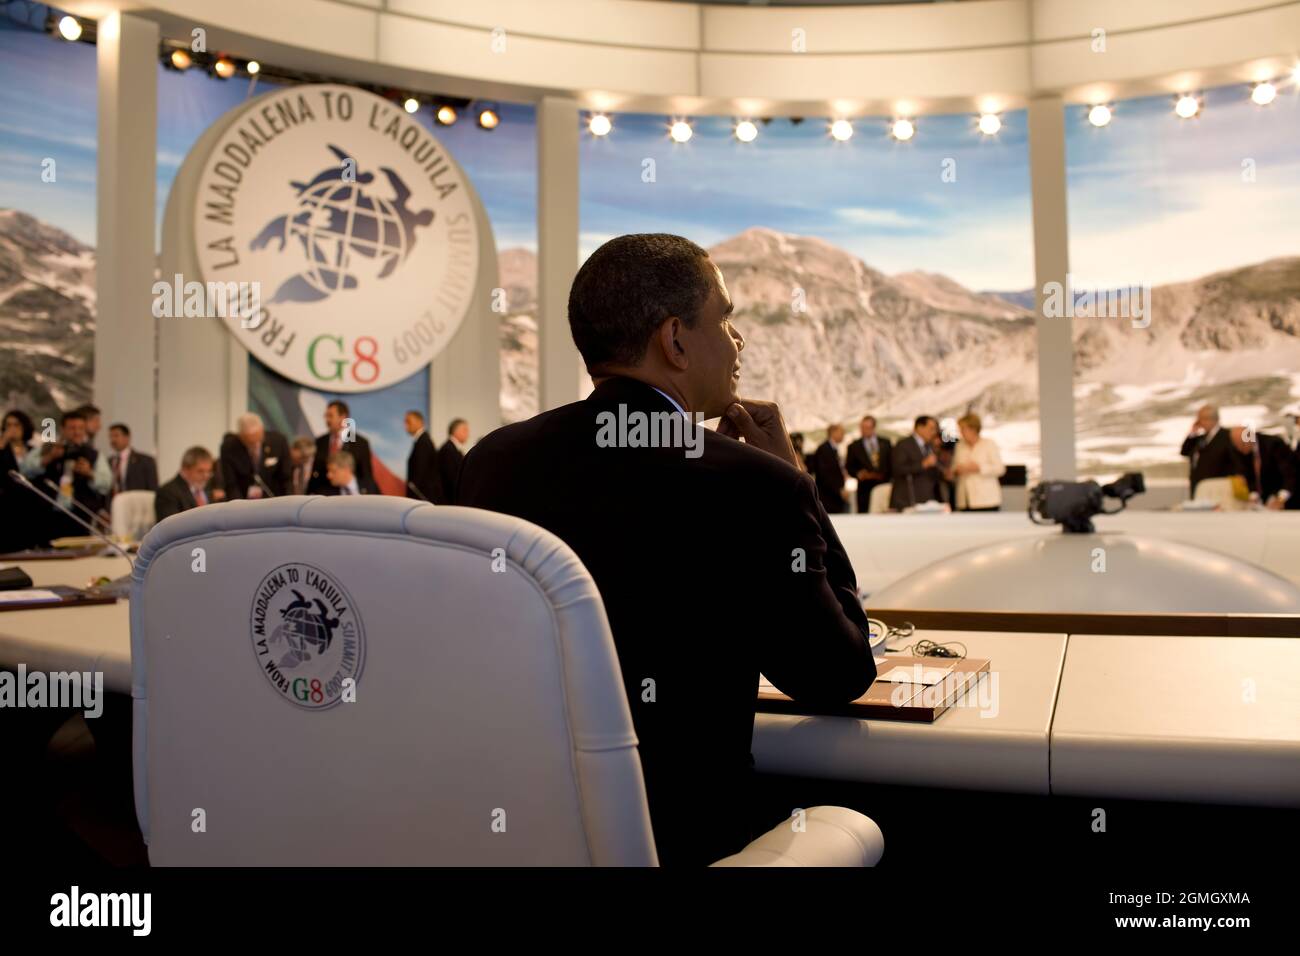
(118, 587)
(266, 489)
(419, 494)
(100, 522)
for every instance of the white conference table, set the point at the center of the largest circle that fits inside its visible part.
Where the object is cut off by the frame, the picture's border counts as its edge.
(96, 637)
(1160, 717)
(999, 747)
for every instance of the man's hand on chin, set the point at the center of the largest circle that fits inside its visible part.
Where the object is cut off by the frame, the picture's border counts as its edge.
(760, 424)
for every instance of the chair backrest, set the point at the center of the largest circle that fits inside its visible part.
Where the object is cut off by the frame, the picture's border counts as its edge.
(878, 502)
(1221, 491)
(132, 513)
(374, 680)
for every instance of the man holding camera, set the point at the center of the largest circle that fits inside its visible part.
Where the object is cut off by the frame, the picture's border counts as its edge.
(73, 464)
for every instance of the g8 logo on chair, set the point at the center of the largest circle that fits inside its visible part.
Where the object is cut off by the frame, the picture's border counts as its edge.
(307, 635)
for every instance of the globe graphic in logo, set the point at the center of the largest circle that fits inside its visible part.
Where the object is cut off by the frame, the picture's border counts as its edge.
(345, 234)
(306, 628)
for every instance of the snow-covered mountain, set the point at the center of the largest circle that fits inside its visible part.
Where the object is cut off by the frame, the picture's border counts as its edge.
(830, 339)
(47, 316)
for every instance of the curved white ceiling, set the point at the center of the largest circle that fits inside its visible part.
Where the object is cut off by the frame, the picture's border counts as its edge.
(686, 57)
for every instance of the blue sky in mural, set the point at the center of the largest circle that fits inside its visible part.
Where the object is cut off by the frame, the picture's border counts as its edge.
(48, 110)
(1153, 197)
(882, 200)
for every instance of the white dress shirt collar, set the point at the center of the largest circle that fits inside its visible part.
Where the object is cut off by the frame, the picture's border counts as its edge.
(670, 399)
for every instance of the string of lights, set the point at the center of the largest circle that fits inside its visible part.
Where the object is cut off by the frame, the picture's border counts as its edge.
(446, 110)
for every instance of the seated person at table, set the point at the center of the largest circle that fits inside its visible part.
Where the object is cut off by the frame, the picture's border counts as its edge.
(340, 470)
(79, 470)
(714, 557)
(189, 488)
(1269, 467)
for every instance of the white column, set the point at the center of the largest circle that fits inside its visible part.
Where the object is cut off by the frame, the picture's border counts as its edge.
(1052, 264)
(560, 367)
(127, 53)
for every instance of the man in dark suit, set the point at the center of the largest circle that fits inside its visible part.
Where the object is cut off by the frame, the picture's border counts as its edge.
(341, 435)
(714, 559)
(1208, 449)
(189, 488)
(422, 463)
(915, 466)
(132, 471)
(341, 472)
(75, 465)
(451, 454)
(828, 471)
(255, 451)
(1268, 466)
(868, 460)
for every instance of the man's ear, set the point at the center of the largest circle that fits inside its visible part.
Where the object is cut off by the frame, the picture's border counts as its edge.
(671, 344)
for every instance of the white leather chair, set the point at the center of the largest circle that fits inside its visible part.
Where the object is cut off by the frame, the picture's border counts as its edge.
(878, 501)
(132, 513)
(489, 726)
(1220, 491)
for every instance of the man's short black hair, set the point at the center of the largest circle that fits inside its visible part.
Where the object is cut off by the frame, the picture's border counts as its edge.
(75, 415)
(119, 426)
(922, 420)
(455, 423)
(89, 411)
(340, 406)
(626, 289)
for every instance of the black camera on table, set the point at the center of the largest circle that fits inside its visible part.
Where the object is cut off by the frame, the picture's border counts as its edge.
(1072, 504)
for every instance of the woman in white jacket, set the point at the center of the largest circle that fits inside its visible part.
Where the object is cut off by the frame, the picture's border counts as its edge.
(976, 466)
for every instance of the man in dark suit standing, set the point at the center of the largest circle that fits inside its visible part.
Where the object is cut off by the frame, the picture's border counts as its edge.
(422, 463)
(1268, 466)
(132, 471)
(915, 465)
(828, 471)
(713, 556)
(451, 455)
(254, 451)
(189, 488)
(341, 435)
(1208, 449)
(868, 460)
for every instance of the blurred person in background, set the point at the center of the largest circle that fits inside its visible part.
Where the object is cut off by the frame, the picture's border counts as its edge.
(868, 460)
(828, 470)
(976, 467)
(1268, 466)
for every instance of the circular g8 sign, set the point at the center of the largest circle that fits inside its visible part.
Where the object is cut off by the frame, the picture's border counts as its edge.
(346, 232)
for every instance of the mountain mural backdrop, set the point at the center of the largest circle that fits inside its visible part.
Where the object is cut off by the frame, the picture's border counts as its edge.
(856, 340)
(830, 339)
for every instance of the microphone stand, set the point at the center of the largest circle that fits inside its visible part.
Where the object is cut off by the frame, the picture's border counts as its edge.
(119, 587)
(266, 489)
(77, 504)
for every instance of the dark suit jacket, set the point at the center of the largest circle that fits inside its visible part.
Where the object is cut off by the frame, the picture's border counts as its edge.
(173, 498)
(275, 468)
(695, 562)
(1277, 468)
(1215, 459)
(857, 459)
(912, 483)
(422, 470)
(829, 476)
(141, 471)
(359, 448)
(449, 465)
